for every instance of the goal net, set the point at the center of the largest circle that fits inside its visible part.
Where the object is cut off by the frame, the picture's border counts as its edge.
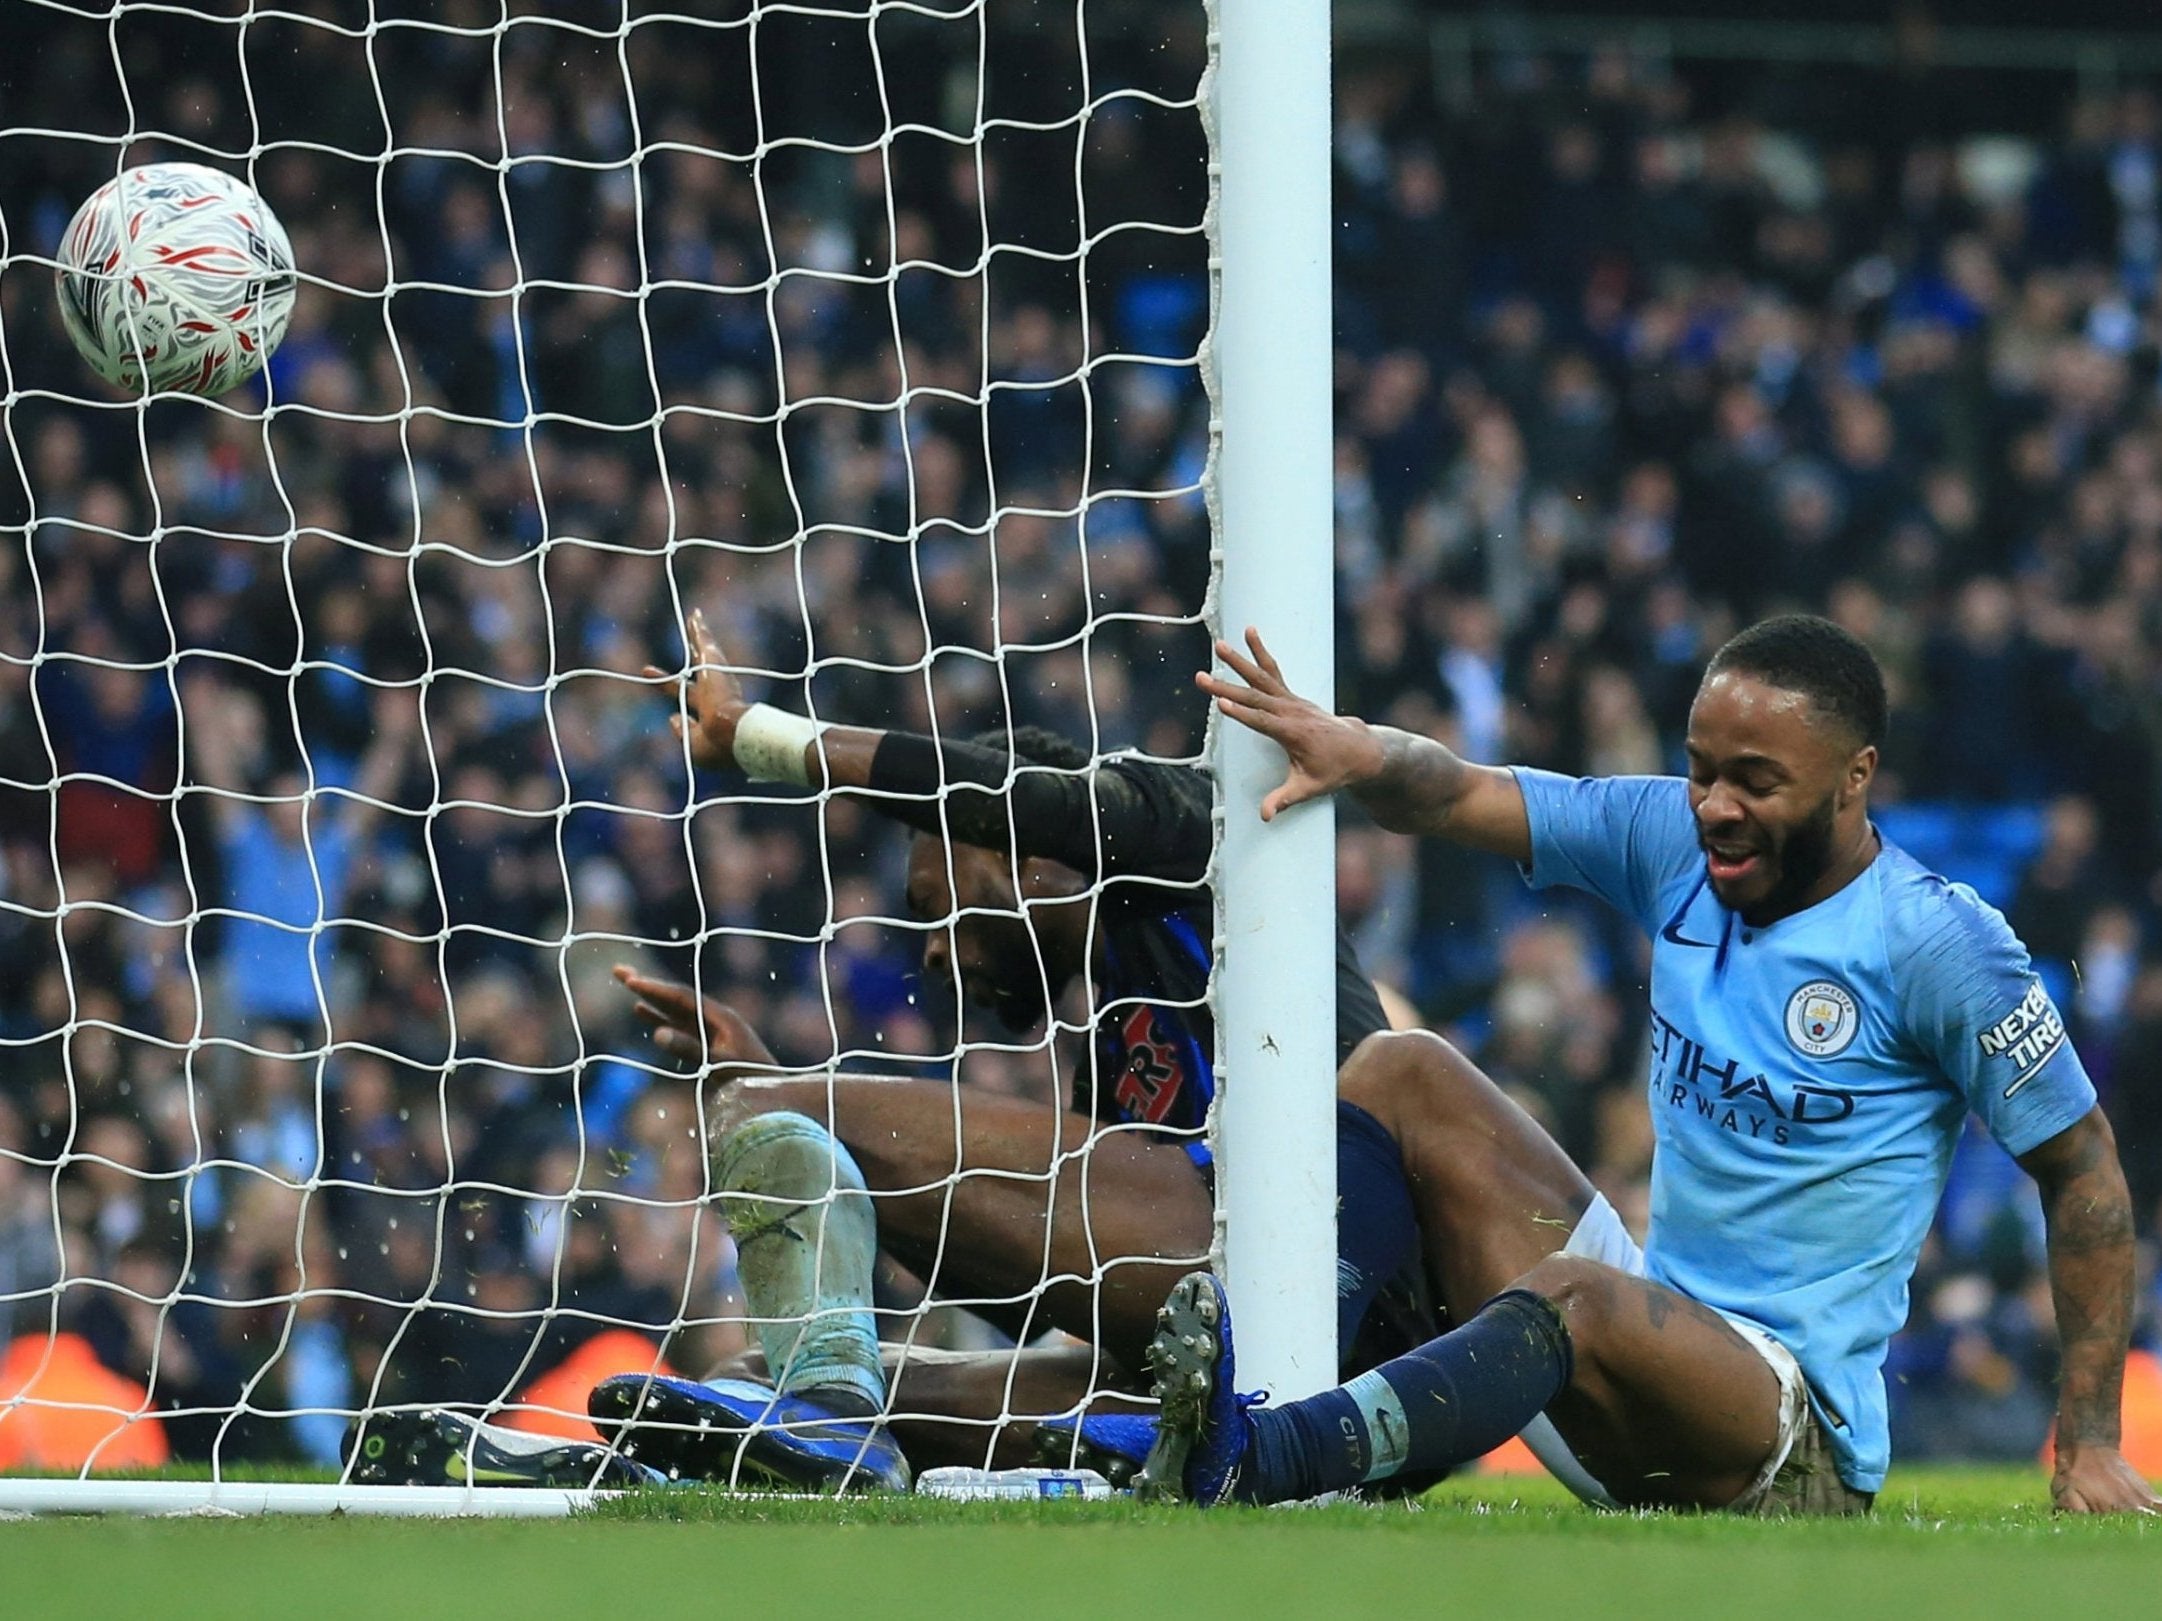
(332, 792)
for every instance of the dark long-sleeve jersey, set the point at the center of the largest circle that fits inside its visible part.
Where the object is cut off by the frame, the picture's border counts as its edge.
(1142, 831)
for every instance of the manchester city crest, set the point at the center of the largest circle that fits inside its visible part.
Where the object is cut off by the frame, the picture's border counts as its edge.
(1822, 1018)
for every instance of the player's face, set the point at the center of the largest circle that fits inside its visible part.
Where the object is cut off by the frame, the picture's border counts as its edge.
(989, 952)
(1771, 781)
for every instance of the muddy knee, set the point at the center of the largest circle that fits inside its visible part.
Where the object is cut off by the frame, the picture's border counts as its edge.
(1586, 1293)
(780, 1154)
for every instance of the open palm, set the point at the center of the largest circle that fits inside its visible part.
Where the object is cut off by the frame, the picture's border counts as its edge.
(712, 698)
(1327, 752)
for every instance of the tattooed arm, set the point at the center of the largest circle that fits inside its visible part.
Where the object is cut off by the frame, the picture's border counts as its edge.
(1422, 787)
(1409, 784)
(2089, 1214)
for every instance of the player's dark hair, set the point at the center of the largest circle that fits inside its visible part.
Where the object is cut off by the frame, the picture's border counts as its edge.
(1038, 745)
(1803, 653)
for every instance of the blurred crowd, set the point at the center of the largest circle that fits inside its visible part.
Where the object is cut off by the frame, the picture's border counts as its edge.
(315, 1089)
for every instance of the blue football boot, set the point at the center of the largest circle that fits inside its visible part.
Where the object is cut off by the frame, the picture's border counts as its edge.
(440, 1447)
(1115, 1445)
(742, 1431)
(1202, 1427)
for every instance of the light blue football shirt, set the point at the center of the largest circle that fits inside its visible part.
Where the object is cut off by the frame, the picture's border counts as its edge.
(1809, 1079)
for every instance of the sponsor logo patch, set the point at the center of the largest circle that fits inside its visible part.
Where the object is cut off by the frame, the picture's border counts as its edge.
(2024, 1039)
(1153, 1072)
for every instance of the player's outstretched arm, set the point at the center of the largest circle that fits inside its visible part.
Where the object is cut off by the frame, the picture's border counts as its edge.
(703, 1031)
(1096, 823)
(726, 729)
(1409, 784)
(2089, 1215)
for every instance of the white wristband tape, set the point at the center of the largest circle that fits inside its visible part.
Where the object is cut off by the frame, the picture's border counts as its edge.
(770, 744)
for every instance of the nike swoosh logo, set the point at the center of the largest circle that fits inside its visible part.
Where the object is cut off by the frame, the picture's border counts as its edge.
(1673, 934)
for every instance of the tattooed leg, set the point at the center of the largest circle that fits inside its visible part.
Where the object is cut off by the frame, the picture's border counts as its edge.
(1668, 1404)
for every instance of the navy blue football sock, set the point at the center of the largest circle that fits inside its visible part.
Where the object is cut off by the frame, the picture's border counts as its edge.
(1446, 1403)
(1377, 1230)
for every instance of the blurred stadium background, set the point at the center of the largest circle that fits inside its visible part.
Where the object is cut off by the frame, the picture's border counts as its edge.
(1648, 323)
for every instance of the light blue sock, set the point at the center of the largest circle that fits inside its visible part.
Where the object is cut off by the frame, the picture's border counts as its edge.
(806, 1240)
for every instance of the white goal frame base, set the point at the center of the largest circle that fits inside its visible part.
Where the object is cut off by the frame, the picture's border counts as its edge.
(240, 1497)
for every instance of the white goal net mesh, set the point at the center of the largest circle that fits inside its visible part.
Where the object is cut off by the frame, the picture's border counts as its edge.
(330, 793)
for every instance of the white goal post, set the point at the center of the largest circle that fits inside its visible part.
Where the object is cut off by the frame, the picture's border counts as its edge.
(1277, 884)
(966, 361)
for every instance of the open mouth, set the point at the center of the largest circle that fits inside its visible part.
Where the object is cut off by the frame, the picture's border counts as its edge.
(1731, 863)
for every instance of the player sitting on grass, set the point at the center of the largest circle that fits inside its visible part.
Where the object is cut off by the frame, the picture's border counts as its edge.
(1045, 870)
(1825, 1013)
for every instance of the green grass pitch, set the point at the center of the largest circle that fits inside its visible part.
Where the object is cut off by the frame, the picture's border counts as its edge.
(1956, 1544)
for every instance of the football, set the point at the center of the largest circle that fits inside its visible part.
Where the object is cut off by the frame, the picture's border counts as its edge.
(175, 276)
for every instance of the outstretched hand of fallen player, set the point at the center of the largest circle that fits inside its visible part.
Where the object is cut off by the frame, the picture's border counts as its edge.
(2099, 1480)
(712, 699)
(1328, 752)
(697, 1030)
